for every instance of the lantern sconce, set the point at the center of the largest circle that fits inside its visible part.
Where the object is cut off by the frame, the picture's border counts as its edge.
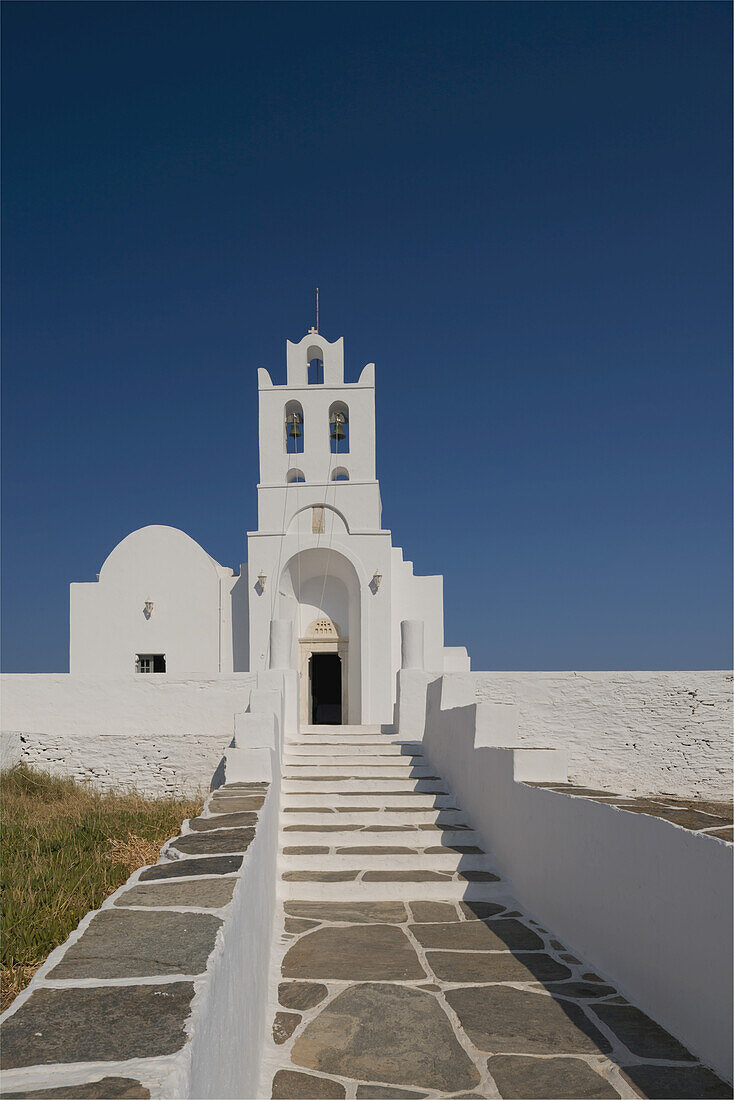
(261, 579)
(148, 609)
(376, 579)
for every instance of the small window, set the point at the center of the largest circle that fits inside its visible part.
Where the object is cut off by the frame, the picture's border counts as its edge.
(340, 474)
(150, 662)
(315, 360)
(294, 477)
(316, 372)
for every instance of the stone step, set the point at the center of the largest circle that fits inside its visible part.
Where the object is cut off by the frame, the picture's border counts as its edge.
(327, 750)
(381, 800)
(367, 785)
(309, 731)
(362, 769)
(349, 814)
(381, 857)
(305, 833)
(344, 757)
(410, 885)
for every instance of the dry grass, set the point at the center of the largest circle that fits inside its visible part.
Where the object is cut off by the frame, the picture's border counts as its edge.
(65, 848)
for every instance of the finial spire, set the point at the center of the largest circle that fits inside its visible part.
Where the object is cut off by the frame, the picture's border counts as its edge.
(317, 309)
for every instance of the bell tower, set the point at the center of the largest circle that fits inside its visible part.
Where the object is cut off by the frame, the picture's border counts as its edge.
(320, 560)
(317, 432)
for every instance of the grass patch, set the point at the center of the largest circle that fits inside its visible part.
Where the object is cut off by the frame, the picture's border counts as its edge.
(65, 848)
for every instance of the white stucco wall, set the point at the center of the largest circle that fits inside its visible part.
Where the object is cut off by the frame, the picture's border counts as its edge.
(637, 732)
(10, 749)
(647, 903)
(155, 733)
(191, 622)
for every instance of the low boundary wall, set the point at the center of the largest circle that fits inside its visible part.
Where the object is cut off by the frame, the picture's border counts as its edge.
(165, 1030)
(648, 901)
(158, 734)
(636, 732)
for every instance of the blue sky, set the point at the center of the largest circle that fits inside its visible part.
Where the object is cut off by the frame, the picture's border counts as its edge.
(520, 212)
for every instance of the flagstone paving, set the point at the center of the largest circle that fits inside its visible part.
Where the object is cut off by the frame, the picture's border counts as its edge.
(405, 968)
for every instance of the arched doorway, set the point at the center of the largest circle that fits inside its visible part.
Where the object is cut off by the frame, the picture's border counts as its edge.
(324, 672)
(319, 592)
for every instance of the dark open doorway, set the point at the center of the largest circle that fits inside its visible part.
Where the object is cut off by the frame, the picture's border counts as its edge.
(325, 670)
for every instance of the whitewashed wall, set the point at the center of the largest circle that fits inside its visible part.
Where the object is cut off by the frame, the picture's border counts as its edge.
(633, 732)
(645, 902)
(155, 733)
(191, 622)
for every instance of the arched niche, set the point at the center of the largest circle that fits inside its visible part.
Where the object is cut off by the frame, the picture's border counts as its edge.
(294, 428)
(319, 591)
(339, 425)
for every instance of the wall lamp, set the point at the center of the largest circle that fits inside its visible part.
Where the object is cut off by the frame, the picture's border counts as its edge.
(261, 579)
(148, 609)
(376, 579)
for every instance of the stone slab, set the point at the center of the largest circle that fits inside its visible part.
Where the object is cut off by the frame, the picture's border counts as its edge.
(379, 1092)
(222, 821)
(502, 1020)
(246, 801)
(480, 910)
(184, 868)
(429, 912)
(121, 943)
(107, 1088)
(521, 1078)
(489, 935)
(359, 912)
(306, 850)
(204, 894)
(376, 850)
(406, 876)
(319, 876)
(641, 1035)
(583, 990)
(494, 966)
(215, 842)
(284, 1024)
(673, 1082)
(233, 804)
(290, 1085)
(391, 1033)
(103, 1024)
(360, 952)
(301, 995)
(298, 925)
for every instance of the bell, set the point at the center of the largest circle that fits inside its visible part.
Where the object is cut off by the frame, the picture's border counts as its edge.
(293, 420)
(337, 427)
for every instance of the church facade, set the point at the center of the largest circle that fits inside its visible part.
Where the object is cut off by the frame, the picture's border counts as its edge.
(320, 562)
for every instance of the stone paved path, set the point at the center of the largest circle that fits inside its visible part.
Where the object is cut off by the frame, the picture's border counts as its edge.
(405, 967)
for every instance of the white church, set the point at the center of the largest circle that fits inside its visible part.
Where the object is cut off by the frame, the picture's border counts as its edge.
(319, 560)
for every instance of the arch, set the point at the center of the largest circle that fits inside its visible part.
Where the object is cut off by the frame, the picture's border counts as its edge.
(301, 519)
(150, 541)
(320, 629)
(315, 361)
(320, 591)
(339, 421)
(340, 473)
(294, 428)
(294, 476)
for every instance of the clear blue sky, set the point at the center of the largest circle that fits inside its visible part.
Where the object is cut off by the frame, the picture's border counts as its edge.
(520, 212)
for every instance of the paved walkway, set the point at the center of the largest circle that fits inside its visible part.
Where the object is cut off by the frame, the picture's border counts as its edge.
(406, 968)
